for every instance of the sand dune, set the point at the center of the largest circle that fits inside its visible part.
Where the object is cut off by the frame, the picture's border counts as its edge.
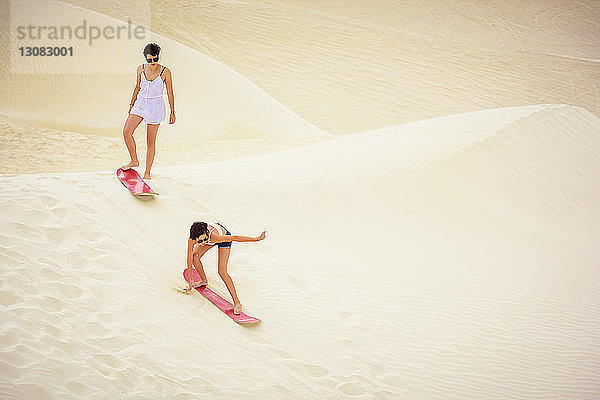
(562, 28)
(347, 67)
(345, 70)
(445, 246)
(212, 100)
(430, 260)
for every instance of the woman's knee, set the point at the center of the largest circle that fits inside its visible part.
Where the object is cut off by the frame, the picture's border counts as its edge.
(223, 274)
(127, 132)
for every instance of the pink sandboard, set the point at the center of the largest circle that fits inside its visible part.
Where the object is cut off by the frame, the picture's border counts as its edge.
(220, 302)
(134, 182)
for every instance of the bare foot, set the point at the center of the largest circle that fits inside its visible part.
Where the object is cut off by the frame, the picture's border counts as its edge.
(130, 165)
(237, 308)
(147, 176)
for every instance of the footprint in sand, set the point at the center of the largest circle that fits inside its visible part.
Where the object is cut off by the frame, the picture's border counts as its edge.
(47, 262)
(394, 380)
(72, 292)
(48, 274)
(316, 370)
(281, 354)
(77, 388)
(60, 212)
(49, 201)
(108, 359)
(258, 339)
(342, 314)
(349, 344)
(351, 389)
(86, 209)
(8, 298)
(191, 204)
(76, 260)
(296, 282)
(29, 232)
(52, 304)
(56, 235)
(23, 229)
(37, 216)
(376, 370)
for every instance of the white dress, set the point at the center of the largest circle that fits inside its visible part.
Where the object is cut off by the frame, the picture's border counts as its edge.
(149, 103)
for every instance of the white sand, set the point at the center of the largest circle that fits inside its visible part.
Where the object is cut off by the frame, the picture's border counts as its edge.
(451, 258)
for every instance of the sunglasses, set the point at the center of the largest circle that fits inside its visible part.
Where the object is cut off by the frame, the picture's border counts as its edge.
(151, 59)
(202, 240)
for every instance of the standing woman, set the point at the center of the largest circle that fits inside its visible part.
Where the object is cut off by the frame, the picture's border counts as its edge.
(147, 104)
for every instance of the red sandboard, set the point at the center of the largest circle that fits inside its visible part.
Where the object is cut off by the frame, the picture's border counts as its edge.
(134, 182)
(220, 302)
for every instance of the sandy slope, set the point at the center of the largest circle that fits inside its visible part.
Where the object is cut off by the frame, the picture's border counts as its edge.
(439, 259)
(451, 258)
(557, 27)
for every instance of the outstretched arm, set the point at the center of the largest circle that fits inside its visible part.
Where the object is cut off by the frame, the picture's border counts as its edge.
(215, 238)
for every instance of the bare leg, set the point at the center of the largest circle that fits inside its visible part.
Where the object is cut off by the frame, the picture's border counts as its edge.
(199, 267)
(223, 260)
(131, 124)
(196, 260)
(151, 132)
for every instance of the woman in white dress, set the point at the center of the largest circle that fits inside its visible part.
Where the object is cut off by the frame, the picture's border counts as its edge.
(147, 103)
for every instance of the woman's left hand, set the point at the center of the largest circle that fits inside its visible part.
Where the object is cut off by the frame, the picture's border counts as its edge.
(172, 118)
(261, 237)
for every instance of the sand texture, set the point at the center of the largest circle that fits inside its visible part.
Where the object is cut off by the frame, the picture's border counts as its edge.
(428, 176)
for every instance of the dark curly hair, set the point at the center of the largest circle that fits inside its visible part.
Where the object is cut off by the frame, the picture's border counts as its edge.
(152, 49)
(198, 229)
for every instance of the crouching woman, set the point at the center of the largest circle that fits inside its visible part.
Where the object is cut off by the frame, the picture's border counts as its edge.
(203, 237)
